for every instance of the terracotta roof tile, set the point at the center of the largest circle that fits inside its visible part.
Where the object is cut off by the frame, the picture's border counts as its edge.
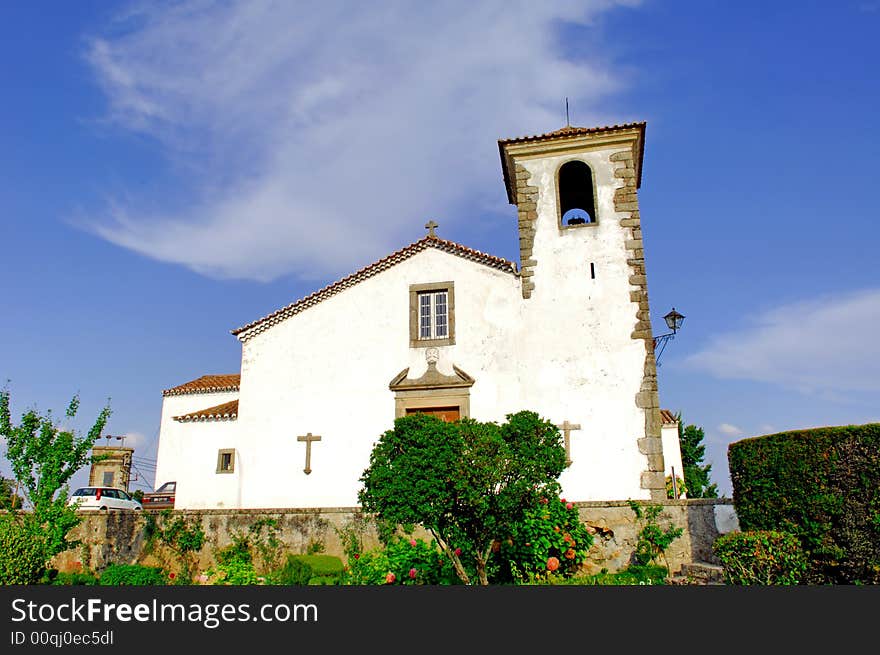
(225, 411)
(571, 130)
(252, 329)
(667, 417)
(206, 384)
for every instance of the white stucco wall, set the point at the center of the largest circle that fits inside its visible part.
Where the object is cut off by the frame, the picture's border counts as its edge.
(565, 352)
(183, 448)
(672, 450)
(588, 368)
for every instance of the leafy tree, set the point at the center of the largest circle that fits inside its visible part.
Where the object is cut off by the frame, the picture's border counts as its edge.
(696, 477)
(465, 482)
(44, 457)
(9, 498)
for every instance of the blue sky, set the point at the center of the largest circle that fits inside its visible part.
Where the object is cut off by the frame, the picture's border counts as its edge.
(174, 171)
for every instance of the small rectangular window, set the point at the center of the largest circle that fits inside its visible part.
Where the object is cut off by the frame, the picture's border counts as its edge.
(226, 461)
(108, 478)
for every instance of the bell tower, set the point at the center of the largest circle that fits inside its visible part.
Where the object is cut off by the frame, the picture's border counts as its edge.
(582, 267)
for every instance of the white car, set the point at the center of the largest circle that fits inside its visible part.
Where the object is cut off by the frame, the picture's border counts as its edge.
(102, 498)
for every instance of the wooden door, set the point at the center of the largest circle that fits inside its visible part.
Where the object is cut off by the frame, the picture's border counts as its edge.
(444, 413)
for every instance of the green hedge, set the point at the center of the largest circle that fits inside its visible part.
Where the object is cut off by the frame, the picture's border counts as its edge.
(132, 574)
(22, 559)
(761, 557)
(822, 485)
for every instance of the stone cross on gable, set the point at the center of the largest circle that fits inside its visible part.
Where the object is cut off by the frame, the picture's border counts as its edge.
(308, 439)
(566, 428)
(430, 226)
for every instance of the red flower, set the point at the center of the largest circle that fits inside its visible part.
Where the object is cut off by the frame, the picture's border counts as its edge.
(568, 506)
(552, 563)
(172, 575)
(390, 578)
(543, 501)
(412, 542)
(357, 555)
(457, 552)
(562, 500)
(413, 573)
(569, 554)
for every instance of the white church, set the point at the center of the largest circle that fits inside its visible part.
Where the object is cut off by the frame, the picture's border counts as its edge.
(441, 328)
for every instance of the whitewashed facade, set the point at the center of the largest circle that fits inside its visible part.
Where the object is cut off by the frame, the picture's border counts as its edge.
(562, 333)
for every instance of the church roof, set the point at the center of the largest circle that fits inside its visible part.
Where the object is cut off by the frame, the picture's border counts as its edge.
(570, 132)
(255, 327)
(225, 411)
(667, 417)
(206, 384)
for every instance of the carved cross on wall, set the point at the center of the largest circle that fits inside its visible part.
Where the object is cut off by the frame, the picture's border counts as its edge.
(431, 226)
(566, 428)
(308, 439)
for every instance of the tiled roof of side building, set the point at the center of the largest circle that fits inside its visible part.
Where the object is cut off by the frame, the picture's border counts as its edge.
(667, 417)
(225, 411)
(206, 384)
(255, 327)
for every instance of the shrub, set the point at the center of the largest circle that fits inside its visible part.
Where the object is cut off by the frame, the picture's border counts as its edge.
(404, 560)
(653, 540)
(323, 565)
(132, 575)
(294, 571)
(76, 578)
(761, 557)
(822, 485)
(677, 490)
(550, 540)
(233, 572)
(22, 557)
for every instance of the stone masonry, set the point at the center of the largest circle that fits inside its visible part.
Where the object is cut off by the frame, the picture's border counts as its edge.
(527, 207)
(120, 538)
(626, 202)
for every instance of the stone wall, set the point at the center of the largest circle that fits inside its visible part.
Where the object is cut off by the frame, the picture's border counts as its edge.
(119, 537)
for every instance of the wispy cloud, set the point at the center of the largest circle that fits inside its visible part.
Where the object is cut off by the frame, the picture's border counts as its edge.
(317, 136)
(824, 345)
(729, 430)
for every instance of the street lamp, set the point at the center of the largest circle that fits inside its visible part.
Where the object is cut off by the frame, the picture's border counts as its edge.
(673, 322)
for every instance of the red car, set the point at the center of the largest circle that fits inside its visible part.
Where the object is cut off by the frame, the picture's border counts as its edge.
(162, 498)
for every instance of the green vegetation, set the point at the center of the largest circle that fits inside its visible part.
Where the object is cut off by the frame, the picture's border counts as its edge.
(43, 457)
(404, 560)
(467, 483)
(653, 540)
(549, 542)
(822, 485)
(761, 558)
(182, 536)
(133, 575)
(696, 475)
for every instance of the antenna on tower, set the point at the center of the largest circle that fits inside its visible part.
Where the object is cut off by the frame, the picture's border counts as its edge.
(567, 119)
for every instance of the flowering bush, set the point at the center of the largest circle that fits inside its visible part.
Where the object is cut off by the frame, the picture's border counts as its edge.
(680, 487)
(403, 561)
(550, 541)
